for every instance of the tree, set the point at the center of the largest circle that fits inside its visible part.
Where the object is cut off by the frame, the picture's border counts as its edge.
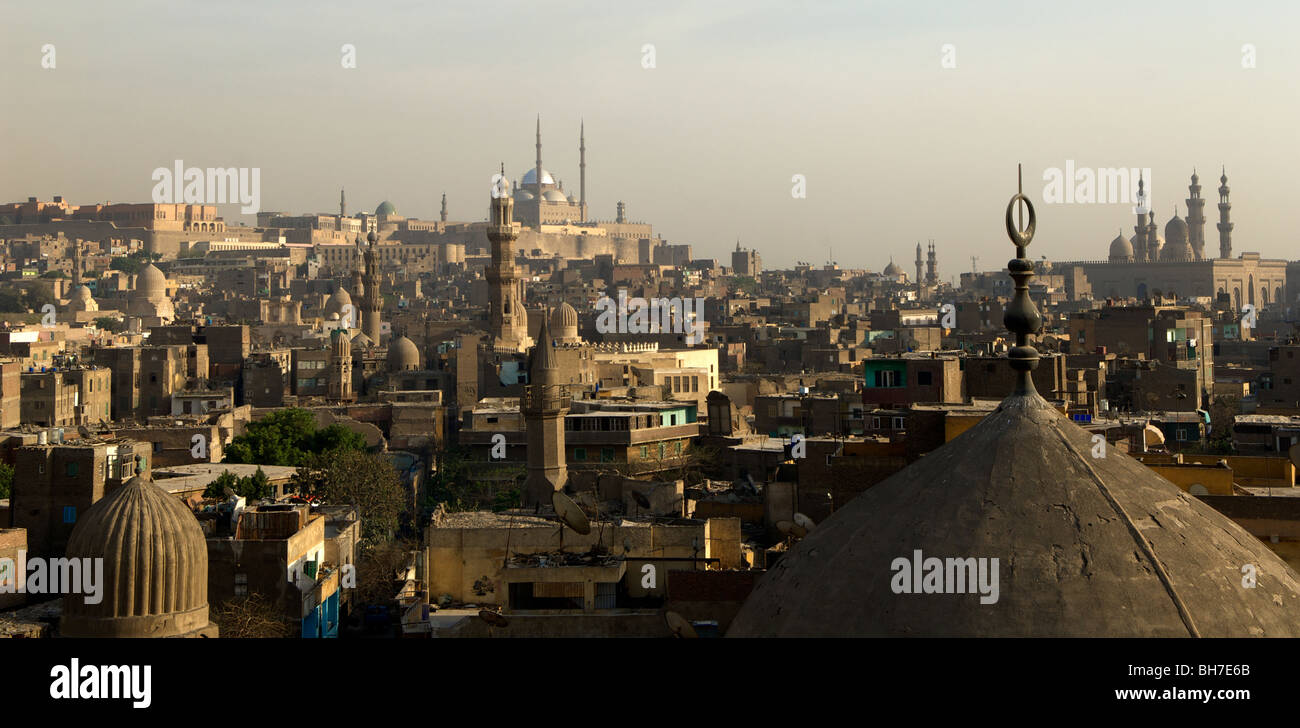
(253, 487)
(108, 323)
(253, 616)
(289, 437)
(6, 480)
(129, 265)
(359, 479)
(53, 274)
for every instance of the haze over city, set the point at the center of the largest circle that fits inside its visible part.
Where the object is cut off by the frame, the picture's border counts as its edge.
(895, 147)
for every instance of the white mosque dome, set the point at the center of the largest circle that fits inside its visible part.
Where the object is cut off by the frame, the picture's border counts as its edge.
(524, 195)
(554, 196)
(530, 177)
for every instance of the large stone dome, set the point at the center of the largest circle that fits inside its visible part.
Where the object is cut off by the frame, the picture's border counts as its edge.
(403, 355)
(1087, 546)
(150, 282)
(1121, 250)
(82, 300)
(155, 581)
(338, 302)
(554, 196)
(892, 270)
(385, 208)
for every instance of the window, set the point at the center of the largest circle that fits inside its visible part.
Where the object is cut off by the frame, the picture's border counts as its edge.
(579, 453)
(923, 379)
(875, 423)
(72, 471)
(69, 514)
(898, 423)
(241, 585)
(607, 454)
(888, 378)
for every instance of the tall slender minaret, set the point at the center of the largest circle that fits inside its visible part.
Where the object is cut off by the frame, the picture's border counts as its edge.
(507, 319)
(544, 405)
(582, 168)
(932, 266)
(1225, 226)
(1153, 238)
(373, 306)
(1196, 217)
(537, 177)
(1140, 229)
(919, 278)
(343, 205)
(443, 214)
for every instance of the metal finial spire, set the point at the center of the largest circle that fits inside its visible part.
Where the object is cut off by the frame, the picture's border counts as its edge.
(1022, 316)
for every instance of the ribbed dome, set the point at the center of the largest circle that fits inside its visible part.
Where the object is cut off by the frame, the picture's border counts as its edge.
(340, 344)
(564, 323)
(403, 355)
(1087, 546)
(155, 566)
(1121, 249)
(150, 282)
(337, 301)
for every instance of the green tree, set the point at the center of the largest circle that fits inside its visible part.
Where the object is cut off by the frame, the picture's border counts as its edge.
(360, 479)
(108, 323)
(53, 274)
(253, 487)
(126, 265)
(289, 437)
(6, 480)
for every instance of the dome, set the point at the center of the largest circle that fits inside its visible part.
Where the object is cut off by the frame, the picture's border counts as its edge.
(385, 208)
(403, 355)
(155, 581)
(1176, 231)
(554, 196)
(572, 200)
(361, 341)
(337, 302)
(1121, 248)
(564, 323)
(82, 300)
(150, 282)
(524, 195)
(892, 270)
(530, 177)
(1087, 546)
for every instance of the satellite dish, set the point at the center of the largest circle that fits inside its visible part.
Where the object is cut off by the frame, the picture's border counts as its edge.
(1294, 453)
(495, 619)
(790, 528)
(804, 522)
(1151, 435)
(640, 499)
(570, 513)
(679, 626)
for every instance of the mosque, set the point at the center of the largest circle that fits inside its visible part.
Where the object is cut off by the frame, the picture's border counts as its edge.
(1177, 262)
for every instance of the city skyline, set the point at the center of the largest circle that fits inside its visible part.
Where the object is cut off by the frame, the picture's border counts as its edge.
(705, 144)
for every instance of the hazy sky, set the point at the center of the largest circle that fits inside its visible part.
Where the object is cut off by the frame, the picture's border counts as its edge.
(744, 95)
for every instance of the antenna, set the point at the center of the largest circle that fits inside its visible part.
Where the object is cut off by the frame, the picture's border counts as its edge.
(570, 514)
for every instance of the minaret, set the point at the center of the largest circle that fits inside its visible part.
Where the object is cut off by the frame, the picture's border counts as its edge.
(358, 277)
(373, 307)
(507, 319)
(544, 405)
(77, 272)
(343, 205)
(1225, 227)
(622, 216)
(443, 214)
(339, 382)
(1196, 218)
(1153, 238)
(582, 168)
(537, 177)
(919, 278)
(1140, 229)
(931, 266)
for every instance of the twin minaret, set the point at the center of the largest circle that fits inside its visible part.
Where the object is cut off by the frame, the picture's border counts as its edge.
(930, 265)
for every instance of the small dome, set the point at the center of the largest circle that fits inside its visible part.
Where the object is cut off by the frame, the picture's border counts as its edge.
(150, 282)
(385, 208)
(554, 196)
(564, 323)
(530, 177)
(403, 355)
(340, 344)
(82, 300)
(335, 304)
(524, 195)
(155, 558)
(1121, 248)
(572, 200)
